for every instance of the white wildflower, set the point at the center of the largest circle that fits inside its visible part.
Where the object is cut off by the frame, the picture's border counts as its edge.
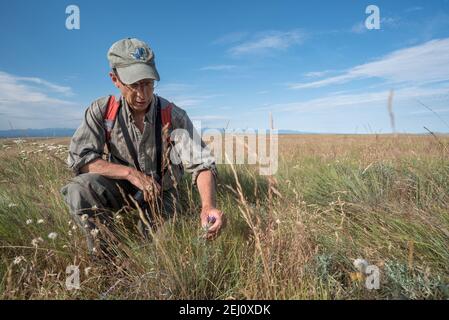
(94, 207)
(40, 221)
(41, 186)
(118, 217)
(12, 205)
(18, 259)
(94, 232)
(35, 241)
(84, 217)
(87, 270)
(52, 235)
(69, 233)
(29, 221)
(360, 264)
(278, 221)
(74, 227)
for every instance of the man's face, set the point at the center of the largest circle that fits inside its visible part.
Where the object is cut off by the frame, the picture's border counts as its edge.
(138, 95)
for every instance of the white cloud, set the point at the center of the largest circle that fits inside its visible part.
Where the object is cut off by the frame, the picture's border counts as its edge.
(174, 88)
(385, 22)
(268, 41)
(220, 67)
(184, 95)
(53, 87)
(389, 22)
(359, 28)
(418, 65)
(413, 9)
(378, 98)
(318, 74)
(30, 102)
(443, 110)
(14, 89)
(186, 102)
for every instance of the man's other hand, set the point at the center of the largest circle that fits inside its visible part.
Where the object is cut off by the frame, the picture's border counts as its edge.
(213, 220)
(147, 184)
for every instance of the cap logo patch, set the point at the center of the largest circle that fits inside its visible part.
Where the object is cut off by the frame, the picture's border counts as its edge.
(140, 54)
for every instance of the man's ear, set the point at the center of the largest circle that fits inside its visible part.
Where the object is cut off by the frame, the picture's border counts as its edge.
(114, 79)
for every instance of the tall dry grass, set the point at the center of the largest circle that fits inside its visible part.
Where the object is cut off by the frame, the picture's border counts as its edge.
(291, 236)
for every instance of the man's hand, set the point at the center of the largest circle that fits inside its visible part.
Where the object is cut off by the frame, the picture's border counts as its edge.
(213, 220)
(147, 184)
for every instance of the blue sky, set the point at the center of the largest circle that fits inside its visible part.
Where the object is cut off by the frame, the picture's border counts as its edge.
(313, 64)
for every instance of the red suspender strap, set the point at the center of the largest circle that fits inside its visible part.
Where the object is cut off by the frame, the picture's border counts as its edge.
(110, 115)
(166, 118)
(166, 115)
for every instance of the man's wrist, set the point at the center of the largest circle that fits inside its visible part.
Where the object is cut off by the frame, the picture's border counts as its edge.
(207, 207)
(129, 173)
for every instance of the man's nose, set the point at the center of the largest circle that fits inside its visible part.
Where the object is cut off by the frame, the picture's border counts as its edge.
(141, 91)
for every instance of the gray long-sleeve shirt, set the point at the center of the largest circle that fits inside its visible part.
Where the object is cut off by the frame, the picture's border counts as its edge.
(88, 142)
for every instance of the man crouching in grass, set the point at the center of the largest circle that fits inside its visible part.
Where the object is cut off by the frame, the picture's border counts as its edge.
(135, 144)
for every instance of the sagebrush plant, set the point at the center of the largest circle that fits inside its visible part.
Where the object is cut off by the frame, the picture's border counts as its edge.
(291, 236)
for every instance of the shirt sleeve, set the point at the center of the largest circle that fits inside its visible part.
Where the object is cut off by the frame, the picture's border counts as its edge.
(191, 150)
(87, 143)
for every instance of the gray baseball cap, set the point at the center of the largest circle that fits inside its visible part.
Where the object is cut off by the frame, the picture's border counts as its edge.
(133, 60)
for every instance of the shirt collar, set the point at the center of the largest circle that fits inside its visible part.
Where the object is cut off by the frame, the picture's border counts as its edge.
(149, 116)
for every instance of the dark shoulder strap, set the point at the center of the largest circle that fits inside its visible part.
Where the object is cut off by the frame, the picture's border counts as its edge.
(132, 151)
(158, 131)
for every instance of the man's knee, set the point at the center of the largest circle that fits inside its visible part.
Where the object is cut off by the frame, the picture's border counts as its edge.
(86, 190)
(86, 182)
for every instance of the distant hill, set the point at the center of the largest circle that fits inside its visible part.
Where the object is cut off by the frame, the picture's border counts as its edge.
(47, 132)
(67, 132)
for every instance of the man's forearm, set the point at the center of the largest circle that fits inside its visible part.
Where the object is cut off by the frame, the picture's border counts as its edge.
(107, 169)
(206, 187)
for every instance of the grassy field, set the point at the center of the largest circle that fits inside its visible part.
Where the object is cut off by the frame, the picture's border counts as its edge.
(296, 235)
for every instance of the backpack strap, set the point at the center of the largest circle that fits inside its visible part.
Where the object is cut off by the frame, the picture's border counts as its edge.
(163, 118)
(112, 111)
(166, 116)
(110, 116)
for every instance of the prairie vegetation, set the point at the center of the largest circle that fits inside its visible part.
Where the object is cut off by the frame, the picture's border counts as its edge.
(294, 235)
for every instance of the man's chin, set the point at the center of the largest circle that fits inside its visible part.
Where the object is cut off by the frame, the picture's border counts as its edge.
(141, 105)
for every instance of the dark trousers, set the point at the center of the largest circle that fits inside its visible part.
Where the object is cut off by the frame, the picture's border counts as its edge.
(93, 197)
